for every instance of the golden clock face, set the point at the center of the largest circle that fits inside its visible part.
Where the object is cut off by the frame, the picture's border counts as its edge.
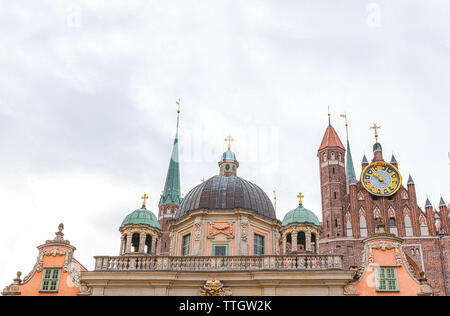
(381, 179)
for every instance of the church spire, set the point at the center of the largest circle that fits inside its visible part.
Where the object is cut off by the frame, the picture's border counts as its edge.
(350, 169)
(171, 193)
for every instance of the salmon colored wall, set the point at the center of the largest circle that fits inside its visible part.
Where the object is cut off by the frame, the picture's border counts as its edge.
(406, 284)
(179, 239)
(66, 286)
(266, 240)
(214, 230)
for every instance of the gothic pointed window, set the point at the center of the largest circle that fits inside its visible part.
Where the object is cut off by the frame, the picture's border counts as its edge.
(423, 226)
(393, 226)
(392, 222)
(348, 226)
(408, 226)
(363, 226)
(360, 196)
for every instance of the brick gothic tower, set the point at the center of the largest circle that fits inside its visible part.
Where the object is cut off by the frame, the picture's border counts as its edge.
(351, 214)
(333, 183)
(170, 198)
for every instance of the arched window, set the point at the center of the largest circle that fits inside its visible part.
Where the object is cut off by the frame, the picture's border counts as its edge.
(332, 156)
(148, 244)
(301, 241)
(288, 243)
(392, 222)
(423, 226)
(408, 226)
(363, 226)
(348, 227)
(135, 242)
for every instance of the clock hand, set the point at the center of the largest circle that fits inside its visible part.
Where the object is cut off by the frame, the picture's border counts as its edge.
(379, 178)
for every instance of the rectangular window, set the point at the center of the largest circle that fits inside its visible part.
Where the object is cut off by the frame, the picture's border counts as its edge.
(220, 250)
(186, 245)
(386, 278)
(50, 280)
(258, 245)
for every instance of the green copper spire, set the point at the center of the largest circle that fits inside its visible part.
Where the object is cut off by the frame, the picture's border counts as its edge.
(350, 169)
(171, 193)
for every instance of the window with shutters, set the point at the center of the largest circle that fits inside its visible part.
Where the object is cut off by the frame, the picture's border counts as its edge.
(50, 280)
(386, 278)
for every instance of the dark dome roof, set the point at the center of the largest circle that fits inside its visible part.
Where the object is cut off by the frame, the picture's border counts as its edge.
(227, 193)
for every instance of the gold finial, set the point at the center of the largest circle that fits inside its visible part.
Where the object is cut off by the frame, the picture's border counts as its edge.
(376, 128)
(229, 139)
(329, 116)
(145, 197)
(344, 116)
(300, 196)
(178, 103)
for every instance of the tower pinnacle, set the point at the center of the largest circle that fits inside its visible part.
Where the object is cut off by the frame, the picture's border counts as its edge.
(350, 169)
(171, 193)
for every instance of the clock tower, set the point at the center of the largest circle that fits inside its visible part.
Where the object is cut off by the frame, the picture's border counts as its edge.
(377, 201)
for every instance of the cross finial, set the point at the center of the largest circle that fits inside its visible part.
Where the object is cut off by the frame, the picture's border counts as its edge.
(300, 197)
(376, 128)
(229, 139)
(145, 197)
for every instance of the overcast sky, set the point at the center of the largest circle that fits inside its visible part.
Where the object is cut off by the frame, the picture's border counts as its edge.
(88, 114)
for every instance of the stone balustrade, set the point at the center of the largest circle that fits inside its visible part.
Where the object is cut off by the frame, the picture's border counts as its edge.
(207, 264)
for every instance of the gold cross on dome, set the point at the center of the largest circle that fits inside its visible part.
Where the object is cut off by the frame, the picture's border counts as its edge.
(376, 128)
(300, 196)
(229, 139)
(145, 197)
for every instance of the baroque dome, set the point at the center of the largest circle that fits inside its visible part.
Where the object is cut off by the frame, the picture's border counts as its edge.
(300, 215)
(227, 193)
(141, 217)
